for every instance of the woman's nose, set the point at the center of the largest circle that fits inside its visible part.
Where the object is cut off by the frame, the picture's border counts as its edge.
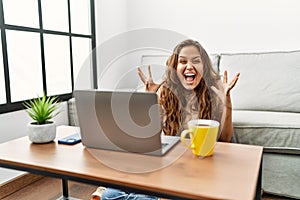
(189, 65)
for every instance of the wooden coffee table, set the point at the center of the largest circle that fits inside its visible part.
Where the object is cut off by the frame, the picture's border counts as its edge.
(233, 172)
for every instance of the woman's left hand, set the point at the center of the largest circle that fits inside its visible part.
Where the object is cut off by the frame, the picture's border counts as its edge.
(224, 91)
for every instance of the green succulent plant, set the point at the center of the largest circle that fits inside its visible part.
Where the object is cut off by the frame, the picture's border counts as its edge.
(42, 109)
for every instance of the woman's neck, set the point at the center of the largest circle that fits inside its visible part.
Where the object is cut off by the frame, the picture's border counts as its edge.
(189, 98)
(188, 93)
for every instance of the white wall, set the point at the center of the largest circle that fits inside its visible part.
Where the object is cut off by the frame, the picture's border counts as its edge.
(111, 18)
(219, 25)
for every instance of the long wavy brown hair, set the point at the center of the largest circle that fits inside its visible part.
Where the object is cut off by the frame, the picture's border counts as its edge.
(171, 92)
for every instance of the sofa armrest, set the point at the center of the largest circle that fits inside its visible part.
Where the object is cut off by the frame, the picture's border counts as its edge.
(72, 113)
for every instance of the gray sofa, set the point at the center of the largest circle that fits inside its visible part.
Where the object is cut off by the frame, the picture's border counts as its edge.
(266, 111)
(266, 103)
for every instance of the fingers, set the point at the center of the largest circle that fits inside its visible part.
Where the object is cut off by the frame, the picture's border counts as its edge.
(233, 82)
(225, 78)
(142, 75)
(148, 81)
(149, 73)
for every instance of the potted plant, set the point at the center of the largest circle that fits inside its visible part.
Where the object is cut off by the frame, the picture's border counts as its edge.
(42, 110)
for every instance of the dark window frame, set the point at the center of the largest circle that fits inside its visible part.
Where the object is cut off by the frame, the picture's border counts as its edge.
(14, 106)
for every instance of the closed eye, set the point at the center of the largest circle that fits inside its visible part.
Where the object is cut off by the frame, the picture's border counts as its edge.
(196, 61)
(181, 61)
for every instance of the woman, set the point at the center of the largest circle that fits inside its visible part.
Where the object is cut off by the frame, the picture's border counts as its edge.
(191, 89)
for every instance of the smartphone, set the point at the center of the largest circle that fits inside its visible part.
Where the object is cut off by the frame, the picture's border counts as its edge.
(72, 139)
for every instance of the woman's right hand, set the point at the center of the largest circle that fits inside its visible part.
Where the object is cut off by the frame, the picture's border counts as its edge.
(148, 81)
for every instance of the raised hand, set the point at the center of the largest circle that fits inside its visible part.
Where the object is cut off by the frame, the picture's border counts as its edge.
(148, 81)
(224, 91)
(228, 87)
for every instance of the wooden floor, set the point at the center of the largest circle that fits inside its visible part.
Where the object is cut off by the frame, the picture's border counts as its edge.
(51, 189)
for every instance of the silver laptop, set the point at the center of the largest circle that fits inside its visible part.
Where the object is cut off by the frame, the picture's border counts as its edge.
(122, 121)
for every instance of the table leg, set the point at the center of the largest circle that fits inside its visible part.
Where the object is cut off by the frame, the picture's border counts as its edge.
(65, 188)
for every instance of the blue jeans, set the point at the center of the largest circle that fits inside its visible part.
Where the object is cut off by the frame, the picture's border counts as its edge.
(115, 194)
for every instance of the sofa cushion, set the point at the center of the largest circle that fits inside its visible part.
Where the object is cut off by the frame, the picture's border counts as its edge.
(277, 131)
(215, 58)
(268, 81)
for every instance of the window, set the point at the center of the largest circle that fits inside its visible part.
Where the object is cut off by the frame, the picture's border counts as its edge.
(79, 14)
(21, 13)
(81, 62)
(55, 15)
(43, 44)
(25, 72)
(57, 63)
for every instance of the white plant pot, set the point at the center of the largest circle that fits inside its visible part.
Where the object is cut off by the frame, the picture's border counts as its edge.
(41, 133)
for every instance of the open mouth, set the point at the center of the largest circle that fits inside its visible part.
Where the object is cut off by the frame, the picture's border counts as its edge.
(189, 77)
